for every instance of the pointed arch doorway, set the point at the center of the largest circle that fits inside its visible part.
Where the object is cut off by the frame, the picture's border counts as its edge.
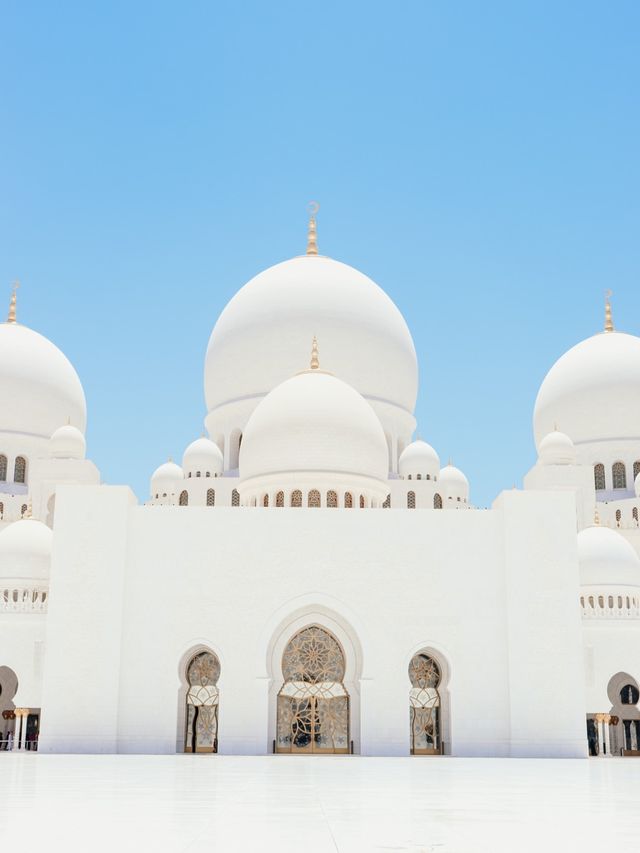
(313, 703)
(201, 721)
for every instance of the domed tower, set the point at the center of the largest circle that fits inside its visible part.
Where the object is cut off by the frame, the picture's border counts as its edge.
(587, 414)
(257, 341)
(42, 420)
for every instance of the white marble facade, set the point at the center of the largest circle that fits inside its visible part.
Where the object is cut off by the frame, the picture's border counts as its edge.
(311, 578)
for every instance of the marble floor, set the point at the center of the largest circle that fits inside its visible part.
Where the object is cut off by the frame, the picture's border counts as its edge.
(121, 803)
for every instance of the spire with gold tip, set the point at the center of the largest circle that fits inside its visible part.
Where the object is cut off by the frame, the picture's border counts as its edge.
(11, 318)
(608, 319)
(312, 234)
(315, 359)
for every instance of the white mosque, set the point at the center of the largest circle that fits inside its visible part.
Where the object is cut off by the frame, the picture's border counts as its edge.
(311, 579)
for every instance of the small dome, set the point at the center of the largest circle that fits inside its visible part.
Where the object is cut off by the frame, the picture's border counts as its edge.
(606, 558)
(38, 384)
(453, 484)
(593, 390)
(637, 485)
(556, 448)
(419, 459)
(67, 442)
(25, 550)
(166, 478)
(202, 458)
(312, 423)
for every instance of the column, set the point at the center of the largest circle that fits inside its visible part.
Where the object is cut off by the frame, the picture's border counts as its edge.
(600, 730)
(605, 726)
(21, 729)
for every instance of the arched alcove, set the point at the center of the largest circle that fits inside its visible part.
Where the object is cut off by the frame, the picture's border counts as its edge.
(198, 701)
(429, 689)
(344, 635)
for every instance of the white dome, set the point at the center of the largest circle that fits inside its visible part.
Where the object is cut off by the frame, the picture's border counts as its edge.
(556, 448)
(314, 422)
(202, 458)
(606, 558)
(166, 478)
(25, 550)
(593, 391)
(419, 458)
(67, 442)
(453, 484)
(38, 385)
(257, 341)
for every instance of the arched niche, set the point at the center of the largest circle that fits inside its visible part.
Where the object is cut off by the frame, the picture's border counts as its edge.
(348, 642)
(199, 672)
(415, 695)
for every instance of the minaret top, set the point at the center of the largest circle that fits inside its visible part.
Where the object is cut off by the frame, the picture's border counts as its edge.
(608, 319)
(312, 234)
(315, 360)
(11, 317)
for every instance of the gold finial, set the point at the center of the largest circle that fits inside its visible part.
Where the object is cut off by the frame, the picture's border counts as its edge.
(596, 517)
(315, 360)
(608, 319)
(312, 234)
(28, 513)
(12, 305)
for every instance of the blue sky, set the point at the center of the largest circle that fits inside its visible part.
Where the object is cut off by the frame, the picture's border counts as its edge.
(478, 160)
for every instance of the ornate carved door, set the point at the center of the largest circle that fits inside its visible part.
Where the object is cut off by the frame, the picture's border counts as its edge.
(313, 704)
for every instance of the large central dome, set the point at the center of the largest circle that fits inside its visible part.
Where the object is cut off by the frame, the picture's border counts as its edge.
(259, 338)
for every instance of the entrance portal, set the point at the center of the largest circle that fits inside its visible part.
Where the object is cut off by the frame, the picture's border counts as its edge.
(201, 733)
(313, 704)
(424, 706)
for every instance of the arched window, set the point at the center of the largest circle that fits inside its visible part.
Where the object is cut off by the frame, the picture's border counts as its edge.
(348, 500)
(598, 475)
(265, 500)
(20, 470)
(201, 731)
(183, 500)
(437, 501)
(361, 501)
(629, 695)
(418, 476)
(314, 498)
(634, 514)
(3, 468)
(619, 475)
(636, 469)
(23, 509)
(313, 704)
(211, 497)
(411, 500)
(618, 517)
(424, 705)
(332, 498)
(235, 498)
(280, 499)
(386, 504)
(296, 498)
